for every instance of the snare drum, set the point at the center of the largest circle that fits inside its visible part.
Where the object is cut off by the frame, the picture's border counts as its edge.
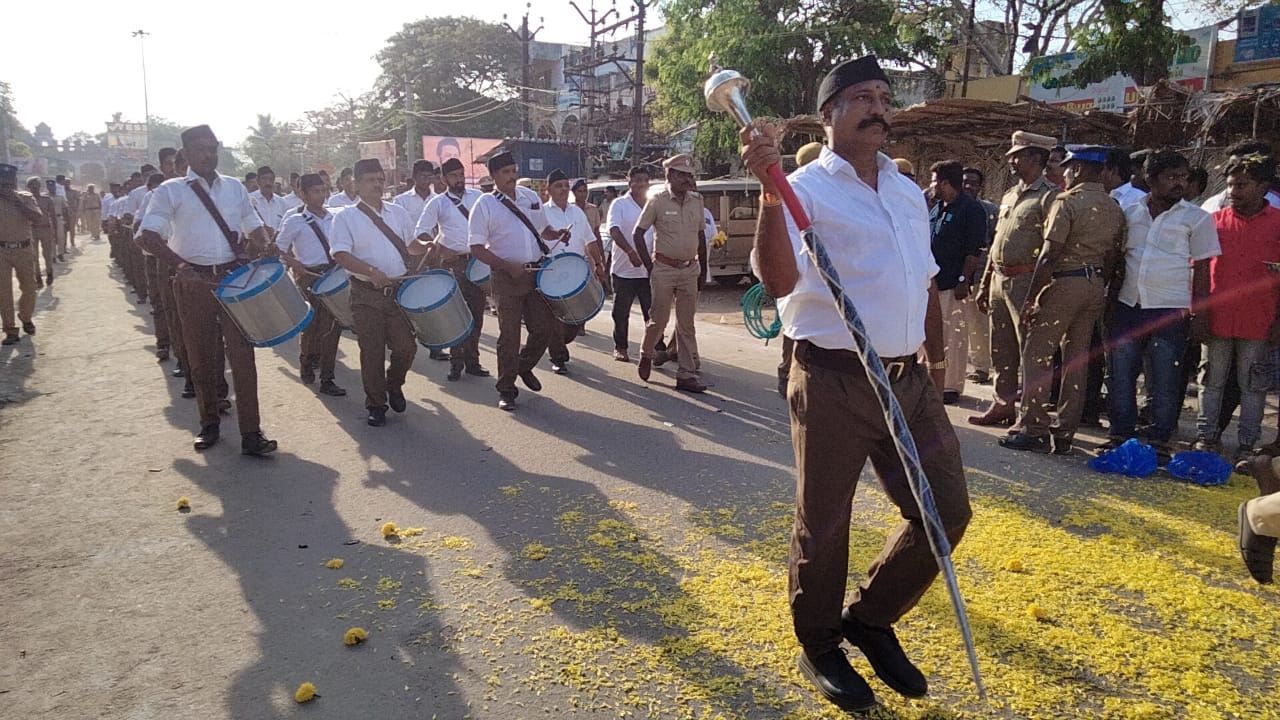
(435, 307)
(333, 288)
(266, 305)
(478, 273)
(571, 289)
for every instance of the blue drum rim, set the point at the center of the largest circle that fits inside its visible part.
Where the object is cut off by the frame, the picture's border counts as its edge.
(306, 320)
(474, 261)
(456, 341)
(438, 303)
(275, 275)
(575, 291)
(335, 291)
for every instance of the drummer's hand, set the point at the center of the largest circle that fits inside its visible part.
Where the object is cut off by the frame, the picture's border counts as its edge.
(378, 278)
(601, 274)
(516, 270)
(186, 276)
(760, 150)
(634, 257)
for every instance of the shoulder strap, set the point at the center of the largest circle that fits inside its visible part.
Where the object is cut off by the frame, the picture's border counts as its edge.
(233, 239)
(315, 227)
(381, 224)
(506, 202)
(458, 204)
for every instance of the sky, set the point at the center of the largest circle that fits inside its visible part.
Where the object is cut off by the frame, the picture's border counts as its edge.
(74, 66)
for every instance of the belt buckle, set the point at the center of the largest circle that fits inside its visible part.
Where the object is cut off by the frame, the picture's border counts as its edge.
(895, 370)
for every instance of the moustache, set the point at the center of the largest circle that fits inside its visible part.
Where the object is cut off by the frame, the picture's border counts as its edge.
(873, 121)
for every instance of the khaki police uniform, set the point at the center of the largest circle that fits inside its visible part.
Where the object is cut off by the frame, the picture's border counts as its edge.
(1089, 227)
(673, 280)
(17, 257)
(91, 214)
(44, 233)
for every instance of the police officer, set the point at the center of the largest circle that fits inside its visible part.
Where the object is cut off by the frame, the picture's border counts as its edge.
(1084, 240)
(18, 214)
(1007, 279)
(43, 231)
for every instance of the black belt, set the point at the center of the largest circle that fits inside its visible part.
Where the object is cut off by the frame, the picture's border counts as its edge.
(533, 265)
(16, 245)
(1085, 272)
(387, 291)
(214, 269)
(848, 362)
(319, 269)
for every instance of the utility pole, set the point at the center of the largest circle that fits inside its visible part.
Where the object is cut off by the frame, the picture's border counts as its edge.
(637, 110)
(146, 104)
(587, 79)
(409, 129)
(968, 49)
(525, 37)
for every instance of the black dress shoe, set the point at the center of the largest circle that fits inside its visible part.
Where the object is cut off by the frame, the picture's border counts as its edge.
(255, 443)
(377, 416)
(10, 338)
(395, 398)
(224, 406)
(691, 385)
(329, 387)
(837, 680)
(507, 402)
(1258, 551)
(162, 354)
(439, 355)
(559, 369)
(179, 371)
(478, 371)
(188, 391)
(880, 646)
(29, 327)
(207, 438)
(1061, 446)
(307, 376)
(455, 374)
(1023, 441)
(950, 397)
(530, 381)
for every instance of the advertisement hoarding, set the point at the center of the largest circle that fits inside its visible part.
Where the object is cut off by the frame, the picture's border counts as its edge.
(438, 148)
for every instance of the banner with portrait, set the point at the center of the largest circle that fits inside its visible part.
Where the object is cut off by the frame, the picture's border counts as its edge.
(439, 148)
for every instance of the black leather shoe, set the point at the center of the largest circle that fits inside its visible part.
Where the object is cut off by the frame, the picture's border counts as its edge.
(950, 397)
(1061, 446)
(559, 369)
(207, 438)
(224, 406)
(1023, 441)
(837, 680)
(660, 358)
(530, 381)
(395, 398)
(179, 371)
(162, 354)
(439, 355)
(507, 402)
(478, 371)
(1258, 551)
(455, 374)
(880, 646)
(255, 443)
(188, 391)
(377, 416)
(329, 387)
(10, 338)
(29, 327)
(308, 376)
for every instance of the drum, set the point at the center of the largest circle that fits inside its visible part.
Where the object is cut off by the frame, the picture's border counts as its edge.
(435, 307)
(572, 290)
(333, 288)
(478, 273)
(266, 305)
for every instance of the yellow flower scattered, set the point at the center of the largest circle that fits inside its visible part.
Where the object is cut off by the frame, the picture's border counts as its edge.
(1014, 566)
(184, 503)
(354, 636)
(334, 564)
(411, 532)
(539, 604)
(305, 692)
(1037, 612)
(389, 529)
(454, 542)
(535, 551)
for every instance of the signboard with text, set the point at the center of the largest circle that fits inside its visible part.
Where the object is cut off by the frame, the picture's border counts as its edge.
(127, 135)
(1258, 34)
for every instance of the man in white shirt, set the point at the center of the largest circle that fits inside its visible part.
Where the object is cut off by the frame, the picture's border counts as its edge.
(294, 200)
(878, 241)
(443, 235)
(370, 239)
(346, 195)
(150, 267)
(303, 244)
(503, 234)
(180, 229)
(1135, 186)
(425, 175)
(1166, 274)
(271, 208)
(630, 282)
(561, 213)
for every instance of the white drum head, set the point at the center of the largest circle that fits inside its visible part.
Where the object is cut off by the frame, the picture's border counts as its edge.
(331, 281)
(564, 275)
(249, 280)
(426, 291)
(477, 272)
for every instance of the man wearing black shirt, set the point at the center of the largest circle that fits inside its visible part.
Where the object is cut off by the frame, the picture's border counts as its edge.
(958, 228)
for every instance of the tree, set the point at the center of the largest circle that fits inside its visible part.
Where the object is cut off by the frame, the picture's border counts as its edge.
(1133, 37)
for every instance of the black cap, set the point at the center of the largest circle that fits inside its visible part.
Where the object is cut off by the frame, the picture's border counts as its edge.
(451, 165)
(556, 176)
(310, 180)
(199, 132)
(423, 166)
(849, 72)
(8, 173)
(501, 160)
(367, 165)
(266, 170)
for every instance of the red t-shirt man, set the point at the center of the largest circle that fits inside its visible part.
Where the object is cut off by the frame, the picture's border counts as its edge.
(1243, 290)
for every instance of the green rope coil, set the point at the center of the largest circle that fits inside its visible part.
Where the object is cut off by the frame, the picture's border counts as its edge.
(753, 304)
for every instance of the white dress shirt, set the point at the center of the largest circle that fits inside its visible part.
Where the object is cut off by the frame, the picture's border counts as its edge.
(440, 211)
(178, 216)
(353, 232)
(878, 241)
(624, 213)
(708, 231)
(107, 201)
(297, 236)
(339, 200)
(497, 228)
(134, 201)
(142, 213)
(1158, 254)
(272, 211)
(575, 219)
(120, 206)
(413, 202)
(1219, 201)
(292, 200)
(1127, 195)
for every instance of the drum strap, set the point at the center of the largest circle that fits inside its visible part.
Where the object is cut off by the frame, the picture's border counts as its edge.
(315, 227)
(233, 239)
(506, 202)
(461, 208)
(381, 224)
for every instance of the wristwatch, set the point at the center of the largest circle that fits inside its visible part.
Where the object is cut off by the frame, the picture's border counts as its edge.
(940, 365)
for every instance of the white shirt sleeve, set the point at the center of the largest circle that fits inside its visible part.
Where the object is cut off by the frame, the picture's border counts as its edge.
(159, 212)
(288, 233)
(340, 239)
(430, 218)
(1204, 239)
(478, 225)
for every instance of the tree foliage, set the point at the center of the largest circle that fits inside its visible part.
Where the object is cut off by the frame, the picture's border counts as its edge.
(1133, 37)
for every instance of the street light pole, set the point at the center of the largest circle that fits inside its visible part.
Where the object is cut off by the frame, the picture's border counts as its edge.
(146, 104)
(409, 128)
(525, 37)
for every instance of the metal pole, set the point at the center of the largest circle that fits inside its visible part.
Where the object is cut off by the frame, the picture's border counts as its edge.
(409, 129)
(968, 48)
(524, 75)
(4, 131)
(637, 112)
(146, 104)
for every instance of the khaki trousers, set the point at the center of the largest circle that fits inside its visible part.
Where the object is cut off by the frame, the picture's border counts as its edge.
(319, 344)
(157, 275)
(1263, 513)
(381, 325)
(135, 267)
(206, 328)
(467, 352)
(520, 303)
(20, 262)
(956, 333)
(1007, 297)
(47, 251)
(678, 288)
(836, 425)
(1068, 309)
(979, 336)
(92, 221)
(174, 321)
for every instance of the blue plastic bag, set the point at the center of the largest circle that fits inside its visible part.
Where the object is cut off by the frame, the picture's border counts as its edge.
(1132, 458)
(1202, 468)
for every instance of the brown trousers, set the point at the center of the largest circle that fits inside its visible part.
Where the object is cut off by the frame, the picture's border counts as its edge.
(520, 303)
(467, 352)
(380, 324)
(1007, 296)
(20, 262)
(1068, 309)
(174, 322)
(836, 425)
(206, 328)
(46, 242)
(674, 288)
(157, 274)
(135, 266)
(319, 345)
